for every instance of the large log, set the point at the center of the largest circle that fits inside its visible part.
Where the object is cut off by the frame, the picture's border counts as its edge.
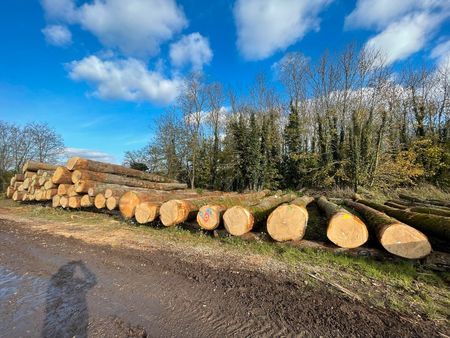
(430, 211)
(77, 163)
(62, 175)
(18, 195)
(50, 185)
(10, 192)
(79, 175)
(434, 225)
(344, 229)
(239, 220)
(35, 166)
(209, 216)
(74, 202)
(63, 189)
(288, 221)
(176, 211)
(56, 201)
(64, 201)
(100, 201)
(86, 201)
(48, 194)
(17, 178)
(112, 203)
(145, 212)
(396, 237)
(131, 199)
(425, 201)
(396, 205)
(106, 188)
(45, 173)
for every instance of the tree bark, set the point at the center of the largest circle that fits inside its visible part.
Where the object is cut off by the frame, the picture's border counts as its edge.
(79, 175)
(396, 237)
(239, 220)
(344, 229)
(35, 166)
(288, 221)
(434, 225)
(77, 163)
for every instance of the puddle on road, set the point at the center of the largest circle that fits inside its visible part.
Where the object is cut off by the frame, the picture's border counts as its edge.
(21, 298)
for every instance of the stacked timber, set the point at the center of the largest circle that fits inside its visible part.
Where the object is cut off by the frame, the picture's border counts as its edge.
(33, 184)
(396, 237)
(344, 228)
(239, 220)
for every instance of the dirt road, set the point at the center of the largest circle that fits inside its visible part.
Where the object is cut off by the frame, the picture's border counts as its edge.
(57, 286)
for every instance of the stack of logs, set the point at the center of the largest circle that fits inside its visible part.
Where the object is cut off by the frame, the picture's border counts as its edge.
(400, 226)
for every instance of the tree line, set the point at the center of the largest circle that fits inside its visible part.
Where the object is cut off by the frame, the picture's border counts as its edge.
(345, 120)
(19, 144)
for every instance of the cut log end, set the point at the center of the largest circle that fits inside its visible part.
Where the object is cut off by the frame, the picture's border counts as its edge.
(112, 203)
(347, 230)
(74, 202)
(174, 212)
(71, 162)
(238, 220)
(287, 223)
(128, 203)
(146, 212)
(210, 216)
(87, 201)
(405, 241)
(100, 201)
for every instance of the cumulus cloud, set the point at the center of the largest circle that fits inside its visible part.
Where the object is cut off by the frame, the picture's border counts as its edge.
(125, 79)
(135, 27)
(266, 26)
(404, 37)
(89, 154)
(191, 49)
(404, 27)
(57, 35)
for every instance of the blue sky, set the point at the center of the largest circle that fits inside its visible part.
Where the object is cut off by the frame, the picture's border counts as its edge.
(100, 71)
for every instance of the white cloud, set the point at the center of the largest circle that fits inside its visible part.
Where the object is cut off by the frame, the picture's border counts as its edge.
(378, 13)
(404, 27)
(126, 79)
(61, 10)
(265, 26)
(136, 27)
(404, 37)
(442, 54)
(89, 154)
(191, 49)
(57, 35)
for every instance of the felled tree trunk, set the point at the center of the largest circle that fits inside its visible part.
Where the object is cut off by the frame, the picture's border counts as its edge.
(147, 212)
(82, 175)
(344, 229)
(63, 189)
(86, 201)
(239, 220)
(396, 237)
(100, 201)
(64, 201)
(62, 175)
(35, 166)
(396, 205)
(425, 201)
(74, 202)
(209, 216)
(56, 201)
(77, 163)
(430, 224)
(288, 221)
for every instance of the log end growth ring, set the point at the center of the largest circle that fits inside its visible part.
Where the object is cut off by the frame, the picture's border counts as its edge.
(347, 230)
(238, 220)
(287, 222)
(405, 241)
(209, 216)
(174, 212)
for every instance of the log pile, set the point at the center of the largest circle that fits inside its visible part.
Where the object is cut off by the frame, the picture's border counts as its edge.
(400, 226)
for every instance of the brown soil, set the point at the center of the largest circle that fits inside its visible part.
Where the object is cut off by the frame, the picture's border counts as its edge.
(57, 285)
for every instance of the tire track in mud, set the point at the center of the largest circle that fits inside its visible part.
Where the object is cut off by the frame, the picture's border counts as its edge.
(169, 296)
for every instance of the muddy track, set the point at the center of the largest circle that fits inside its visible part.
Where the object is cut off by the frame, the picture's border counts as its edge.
(48, 283)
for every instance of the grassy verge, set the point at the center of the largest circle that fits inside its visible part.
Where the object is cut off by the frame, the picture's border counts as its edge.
(408, 287)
